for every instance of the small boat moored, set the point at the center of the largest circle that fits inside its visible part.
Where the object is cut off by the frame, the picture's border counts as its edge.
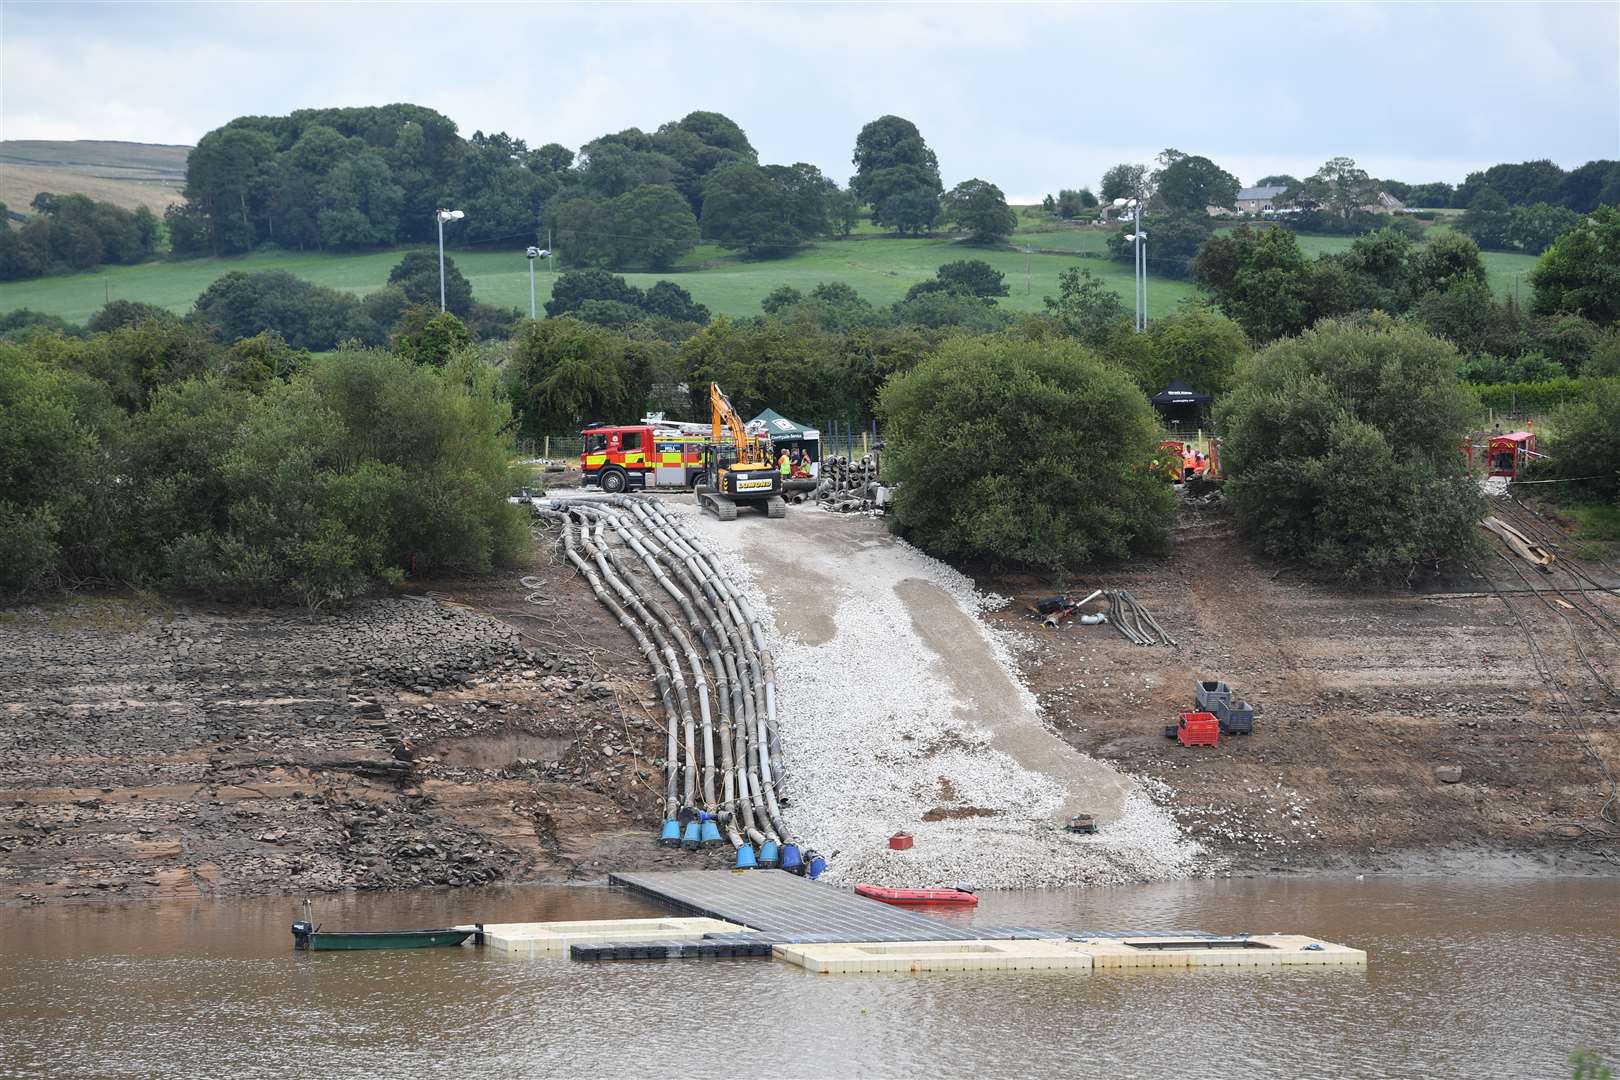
(308, 935)
(905, 897)
(313, 938)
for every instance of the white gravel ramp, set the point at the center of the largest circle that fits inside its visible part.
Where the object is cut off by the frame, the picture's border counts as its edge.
(898, 705)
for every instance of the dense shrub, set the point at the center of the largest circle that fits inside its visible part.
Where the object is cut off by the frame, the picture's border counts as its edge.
(309, 316)
(1341, 445)
(72, 232)
(982, 439)
(252, 471)
(1583, 446)
(1542, 396)
(417, 276)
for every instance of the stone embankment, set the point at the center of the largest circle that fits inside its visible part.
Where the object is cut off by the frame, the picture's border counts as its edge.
(405, 742)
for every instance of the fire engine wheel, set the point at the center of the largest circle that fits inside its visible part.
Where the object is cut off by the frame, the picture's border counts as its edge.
(614, 481)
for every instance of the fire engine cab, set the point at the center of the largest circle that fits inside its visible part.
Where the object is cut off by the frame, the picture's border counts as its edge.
(638, 456)
(1510, 454)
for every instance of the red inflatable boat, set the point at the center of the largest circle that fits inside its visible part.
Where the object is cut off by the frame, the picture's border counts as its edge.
(959, 897)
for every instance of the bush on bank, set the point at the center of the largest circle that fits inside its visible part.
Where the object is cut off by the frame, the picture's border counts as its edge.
(1022, 451)
(252, 472)
(1341, 450)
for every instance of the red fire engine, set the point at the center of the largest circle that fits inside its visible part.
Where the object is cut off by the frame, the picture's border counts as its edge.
(634, 456)
(1510, 454)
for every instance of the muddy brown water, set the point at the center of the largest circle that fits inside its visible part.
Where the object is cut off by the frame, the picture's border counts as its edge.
(1470, 979)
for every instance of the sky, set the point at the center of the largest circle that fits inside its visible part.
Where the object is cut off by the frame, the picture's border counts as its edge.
(1032, 97)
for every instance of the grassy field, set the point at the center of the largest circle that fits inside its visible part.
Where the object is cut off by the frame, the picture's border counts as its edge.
(881, 268)
(125, 174)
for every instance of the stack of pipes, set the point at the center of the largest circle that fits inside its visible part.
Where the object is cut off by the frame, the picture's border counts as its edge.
(637, 559)
(1135, 621)
(849, 484)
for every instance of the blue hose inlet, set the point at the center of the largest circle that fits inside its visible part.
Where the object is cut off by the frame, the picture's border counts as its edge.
(768, 854)
(671, 836)
(745, 858)
(818, 865)
(710, 832)
(690, 841)
(792, 861)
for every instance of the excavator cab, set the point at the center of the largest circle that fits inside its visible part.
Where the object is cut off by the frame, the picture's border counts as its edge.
(738, 473)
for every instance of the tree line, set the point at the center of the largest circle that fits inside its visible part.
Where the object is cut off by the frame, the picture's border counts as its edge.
(341, 179)
(73, 232)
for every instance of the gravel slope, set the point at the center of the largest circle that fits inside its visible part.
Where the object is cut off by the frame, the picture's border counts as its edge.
(902, 711)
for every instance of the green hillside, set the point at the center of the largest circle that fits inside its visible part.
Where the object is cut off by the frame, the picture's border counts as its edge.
(881, 268)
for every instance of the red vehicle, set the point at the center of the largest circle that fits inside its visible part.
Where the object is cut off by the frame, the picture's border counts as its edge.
(636, 456)
(1510, 454)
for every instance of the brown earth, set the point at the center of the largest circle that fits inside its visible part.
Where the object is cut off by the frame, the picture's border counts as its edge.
(1363, 698)
(460, 737)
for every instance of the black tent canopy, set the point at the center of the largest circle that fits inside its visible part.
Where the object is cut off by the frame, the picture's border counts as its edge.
(1179, 393)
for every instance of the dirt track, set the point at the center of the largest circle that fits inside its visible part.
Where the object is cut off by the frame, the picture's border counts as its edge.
(1364, 698)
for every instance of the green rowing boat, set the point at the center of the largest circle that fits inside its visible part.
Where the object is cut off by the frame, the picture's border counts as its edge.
(306, 936)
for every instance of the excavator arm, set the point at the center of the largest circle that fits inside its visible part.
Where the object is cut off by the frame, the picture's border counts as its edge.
(723, 415)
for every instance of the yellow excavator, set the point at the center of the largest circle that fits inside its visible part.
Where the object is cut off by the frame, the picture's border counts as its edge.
(739, 472)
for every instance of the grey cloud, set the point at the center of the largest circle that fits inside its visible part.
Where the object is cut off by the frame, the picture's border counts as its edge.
(1032, 97)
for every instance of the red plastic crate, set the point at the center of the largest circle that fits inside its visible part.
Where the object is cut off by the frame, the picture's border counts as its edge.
(900, 841)
(1198, 729)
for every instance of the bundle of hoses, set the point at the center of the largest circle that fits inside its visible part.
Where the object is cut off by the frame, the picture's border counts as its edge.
(711, 638)
(847, 484)
(1133, 620)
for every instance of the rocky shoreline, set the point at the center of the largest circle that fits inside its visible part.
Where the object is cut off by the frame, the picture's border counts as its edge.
(407, 742)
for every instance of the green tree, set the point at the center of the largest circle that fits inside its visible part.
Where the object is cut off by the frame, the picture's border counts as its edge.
(1580, 273)
(780, 298)
(745, 207)
(427, 335)
(120, 313)
(1534, 228)
(1340, 451)
(1085, 308)
(577, 286)
(667, 300)
(655, 226)
(1341, 188)
(1443, 260)
(1488, 220)
(979, 207)
(1196, 344)
(950, 309)
(1174, 240)
(417, 276)
(897, 175)
(565, 373)
(307, 315)
(974, 277)
(978, 437)
(1125, 181)
(1192, 183)
(1259, 278)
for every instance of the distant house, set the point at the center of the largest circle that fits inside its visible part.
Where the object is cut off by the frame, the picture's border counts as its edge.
(1384, 204)
(1259, 200)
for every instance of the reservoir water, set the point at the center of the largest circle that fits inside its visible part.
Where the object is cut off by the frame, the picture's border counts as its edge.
(1471, 979)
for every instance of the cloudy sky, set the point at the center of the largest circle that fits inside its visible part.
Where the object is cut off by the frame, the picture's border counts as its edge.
(1030, 96)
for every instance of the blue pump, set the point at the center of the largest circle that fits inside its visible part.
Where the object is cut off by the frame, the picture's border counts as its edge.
(818, 865)
(745, 858)
(768, 853)
(792, 861)
(671, 836)
(690, 840)
(709, 831)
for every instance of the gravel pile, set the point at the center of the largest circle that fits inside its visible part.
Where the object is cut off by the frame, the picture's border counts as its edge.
(875, 744)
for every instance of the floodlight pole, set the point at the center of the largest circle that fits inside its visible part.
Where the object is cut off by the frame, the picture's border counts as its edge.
(531, 289)
(439, 217)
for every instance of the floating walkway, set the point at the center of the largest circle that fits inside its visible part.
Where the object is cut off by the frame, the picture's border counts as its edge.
(825, 930)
